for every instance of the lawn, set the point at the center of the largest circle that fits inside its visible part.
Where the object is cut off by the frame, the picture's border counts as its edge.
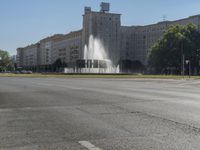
(98, 76)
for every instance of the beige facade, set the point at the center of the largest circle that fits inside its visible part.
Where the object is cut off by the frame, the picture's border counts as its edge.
(46, 49)
(68, 48)
(120, 42)
(20, 53)
(104, 26)
(136, 41)
(28, 56)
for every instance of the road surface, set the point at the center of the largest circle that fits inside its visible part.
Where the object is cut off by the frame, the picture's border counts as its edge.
(99, 114)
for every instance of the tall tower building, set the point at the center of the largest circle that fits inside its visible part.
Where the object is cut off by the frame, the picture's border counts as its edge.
(106, 27)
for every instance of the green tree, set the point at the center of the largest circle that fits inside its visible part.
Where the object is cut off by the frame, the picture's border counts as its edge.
(58, 64)
(168, 50)
(5, 62)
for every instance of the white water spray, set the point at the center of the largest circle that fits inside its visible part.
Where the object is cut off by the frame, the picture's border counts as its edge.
(96, 51)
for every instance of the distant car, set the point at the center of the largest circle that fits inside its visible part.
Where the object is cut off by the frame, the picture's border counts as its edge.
(16, 72)
(29, 72)
(23, 71)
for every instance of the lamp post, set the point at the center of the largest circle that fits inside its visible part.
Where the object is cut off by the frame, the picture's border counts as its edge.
(199, 66)
(189, 67)
(183, 65)
(182, 61)
(0, 62)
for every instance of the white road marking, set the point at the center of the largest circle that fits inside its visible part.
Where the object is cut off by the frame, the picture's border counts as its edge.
(45, 84)
(88, 145)
(75, 88)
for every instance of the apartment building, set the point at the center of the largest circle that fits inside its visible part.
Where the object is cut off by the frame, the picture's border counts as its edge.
(28, 56)
(136, 41)
(120, 42)
(106, 27)
(19, 57)
(68, 48)
(46, 49)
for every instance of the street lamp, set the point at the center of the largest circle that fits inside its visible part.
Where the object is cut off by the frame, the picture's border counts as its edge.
(182, 60)
(189, 65)
(0, 61)
(183, 65)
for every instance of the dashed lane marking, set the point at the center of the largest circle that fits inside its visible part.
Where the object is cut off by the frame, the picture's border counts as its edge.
(88, 145)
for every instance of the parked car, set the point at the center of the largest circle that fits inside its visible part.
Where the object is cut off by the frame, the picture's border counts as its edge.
(29, 72)
(17, 72)
(23, 72)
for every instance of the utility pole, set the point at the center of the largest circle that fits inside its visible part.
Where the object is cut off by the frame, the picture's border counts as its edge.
(182, 61)
(0, 64)
(189, 69)
(183, 65)
(164, 17)
(188, 62)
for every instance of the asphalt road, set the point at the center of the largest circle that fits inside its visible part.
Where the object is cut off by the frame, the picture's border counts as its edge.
(99, 114)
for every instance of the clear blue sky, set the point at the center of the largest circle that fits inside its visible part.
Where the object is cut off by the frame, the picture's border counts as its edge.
(23, 22)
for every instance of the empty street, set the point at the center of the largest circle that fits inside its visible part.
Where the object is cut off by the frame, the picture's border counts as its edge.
(99, 114)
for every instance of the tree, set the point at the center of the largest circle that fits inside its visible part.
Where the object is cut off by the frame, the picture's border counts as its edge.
(5, 62)
(58, 64)
(131, 66)
(177, 40)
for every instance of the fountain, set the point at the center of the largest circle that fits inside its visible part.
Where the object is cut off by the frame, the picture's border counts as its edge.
(95, 59)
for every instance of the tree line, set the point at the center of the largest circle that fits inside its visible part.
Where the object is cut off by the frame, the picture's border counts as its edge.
(177, 51)
(5, 61)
